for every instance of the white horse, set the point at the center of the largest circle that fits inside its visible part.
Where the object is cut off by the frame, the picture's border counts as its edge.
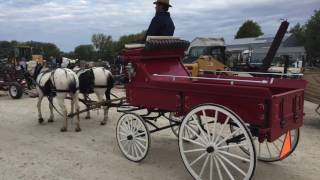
(96, 80)
(58, 83)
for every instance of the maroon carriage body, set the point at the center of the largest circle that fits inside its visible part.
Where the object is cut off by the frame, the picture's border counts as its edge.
(271, 106)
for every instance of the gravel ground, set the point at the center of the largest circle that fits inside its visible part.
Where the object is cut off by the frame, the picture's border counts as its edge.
(32, 151)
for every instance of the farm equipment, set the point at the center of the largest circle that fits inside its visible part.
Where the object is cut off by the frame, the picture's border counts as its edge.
(207, 54)
(11, 80)
(209, 59)
(205, 64)
(11, 73)
(223, 123)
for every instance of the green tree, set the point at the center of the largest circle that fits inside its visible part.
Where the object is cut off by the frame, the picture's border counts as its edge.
(84, 52)
(5, 49)
(300, 33)
(128, 39)
(249, 29)
(312, 43)
(103, 44)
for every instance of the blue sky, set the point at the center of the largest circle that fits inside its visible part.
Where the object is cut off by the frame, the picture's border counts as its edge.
(69, 23)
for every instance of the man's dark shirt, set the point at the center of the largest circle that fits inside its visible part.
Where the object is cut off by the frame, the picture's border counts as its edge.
(161, 25)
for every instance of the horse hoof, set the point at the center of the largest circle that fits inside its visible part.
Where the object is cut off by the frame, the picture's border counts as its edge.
(78, 129)
(40, 120)
(50, 121)
(64, 129)
(103, 123)
(87, 117)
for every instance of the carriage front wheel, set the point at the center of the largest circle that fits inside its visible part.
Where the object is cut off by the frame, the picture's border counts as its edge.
(133, 137)
(216, 153)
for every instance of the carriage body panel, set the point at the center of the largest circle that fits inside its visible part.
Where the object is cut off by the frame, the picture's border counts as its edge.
(273, 106)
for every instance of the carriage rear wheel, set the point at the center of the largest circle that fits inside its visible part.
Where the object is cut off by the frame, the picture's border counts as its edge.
(15, 90)
(216, 153)
(277, 150)
(133, 137)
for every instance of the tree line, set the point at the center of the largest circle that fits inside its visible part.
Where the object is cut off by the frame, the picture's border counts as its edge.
(46, 49)
(104, 48)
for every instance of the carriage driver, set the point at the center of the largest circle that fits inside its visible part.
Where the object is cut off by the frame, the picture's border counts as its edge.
(161, 24)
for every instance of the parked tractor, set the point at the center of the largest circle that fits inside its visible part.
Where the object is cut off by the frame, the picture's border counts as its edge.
(204, 55)
(11, 70)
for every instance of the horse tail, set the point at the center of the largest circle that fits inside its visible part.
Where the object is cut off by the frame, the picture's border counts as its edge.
(110, 84)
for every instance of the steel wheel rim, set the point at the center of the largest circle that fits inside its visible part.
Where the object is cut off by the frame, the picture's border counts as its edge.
(213, 158)
(271, 151)
(13, 91)
(133, 137)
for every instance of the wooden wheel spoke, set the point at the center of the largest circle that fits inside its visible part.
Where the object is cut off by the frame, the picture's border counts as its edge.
(204, 165)
(141, 145)
(138, 148)
(235, 156)
(225, 168)
(200, 137)
(232, 146)
(221, 130)
(230, 135)
(218, 168)
(193, 142)
(194, 150)
(214, 125)
(200, 157)
(232, 164)
(268, 149)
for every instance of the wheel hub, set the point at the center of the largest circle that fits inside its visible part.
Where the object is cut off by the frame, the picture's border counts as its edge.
(130, 138)
(210, 149)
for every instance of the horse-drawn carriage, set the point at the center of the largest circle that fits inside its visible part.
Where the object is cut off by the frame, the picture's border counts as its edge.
(224, 123)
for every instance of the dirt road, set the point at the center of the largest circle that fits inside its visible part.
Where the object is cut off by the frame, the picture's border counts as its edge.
(32, 151)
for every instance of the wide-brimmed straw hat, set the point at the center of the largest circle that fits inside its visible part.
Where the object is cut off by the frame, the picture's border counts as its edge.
(164, 2)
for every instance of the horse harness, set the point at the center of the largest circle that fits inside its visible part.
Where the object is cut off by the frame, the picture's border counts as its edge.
(49, 88)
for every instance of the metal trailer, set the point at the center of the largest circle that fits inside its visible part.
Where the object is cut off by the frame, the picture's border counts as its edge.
(223, 123)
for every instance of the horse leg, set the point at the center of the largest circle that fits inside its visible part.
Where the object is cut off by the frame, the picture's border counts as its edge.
(60, 99)
(40, 118)
(50, 120)
(105, 109)
(85, 97)
(75, 100)
(71, 105)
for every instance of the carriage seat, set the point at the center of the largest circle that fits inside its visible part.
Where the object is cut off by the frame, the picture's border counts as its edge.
(160, 42)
